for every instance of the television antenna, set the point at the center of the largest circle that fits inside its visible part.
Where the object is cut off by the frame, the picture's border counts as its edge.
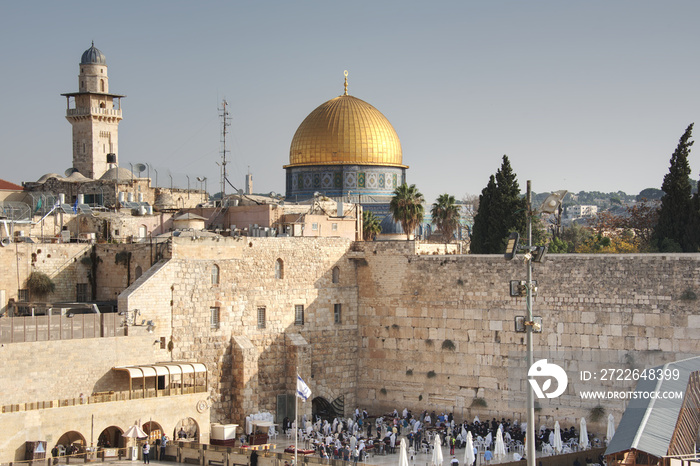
(225, 123)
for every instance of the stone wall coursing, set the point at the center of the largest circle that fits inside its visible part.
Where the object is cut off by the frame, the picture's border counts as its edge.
(247, 282)
(618, 306)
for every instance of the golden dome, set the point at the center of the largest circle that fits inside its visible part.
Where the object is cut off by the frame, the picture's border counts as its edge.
(345, 131)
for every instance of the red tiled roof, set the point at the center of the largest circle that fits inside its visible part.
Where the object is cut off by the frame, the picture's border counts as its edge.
(7, 186)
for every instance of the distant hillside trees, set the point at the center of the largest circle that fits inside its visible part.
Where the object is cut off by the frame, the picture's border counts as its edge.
(678, 212)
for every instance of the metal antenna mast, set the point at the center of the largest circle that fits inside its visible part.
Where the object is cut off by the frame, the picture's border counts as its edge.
(225, 123)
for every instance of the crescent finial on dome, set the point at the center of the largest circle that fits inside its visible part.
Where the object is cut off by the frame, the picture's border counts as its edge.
(346, 82)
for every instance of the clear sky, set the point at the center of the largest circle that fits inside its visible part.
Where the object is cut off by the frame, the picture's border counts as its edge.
(580, 95)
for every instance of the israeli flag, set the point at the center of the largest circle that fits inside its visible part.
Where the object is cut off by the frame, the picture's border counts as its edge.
(303, 390)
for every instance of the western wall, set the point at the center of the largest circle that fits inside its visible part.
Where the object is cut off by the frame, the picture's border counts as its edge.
(598, 312)
(389, 349)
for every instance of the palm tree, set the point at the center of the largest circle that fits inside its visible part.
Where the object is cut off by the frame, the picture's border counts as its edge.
(445, 214)
(407, 208)
(370, 225)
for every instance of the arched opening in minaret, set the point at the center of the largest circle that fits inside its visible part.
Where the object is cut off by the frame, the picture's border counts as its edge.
(102, 85)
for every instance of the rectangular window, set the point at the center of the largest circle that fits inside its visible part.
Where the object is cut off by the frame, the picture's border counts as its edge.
(261, 317)
(214, 317)
(299, 314)
(334, 226)
(23, 296)
(337, 310)
(314, 226)
(81, 292)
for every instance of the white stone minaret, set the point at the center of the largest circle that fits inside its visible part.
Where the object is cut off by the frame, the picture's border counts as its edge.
(94, 114)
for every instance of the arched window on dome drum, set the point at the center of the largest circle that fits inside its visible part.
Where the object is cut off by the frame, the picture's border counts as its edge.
(215, 275)
(336, 275)
(279, 269)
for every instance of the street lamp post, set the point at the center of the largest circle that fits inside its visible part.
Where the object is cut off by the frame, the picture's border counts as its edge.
(530, 433)
(533, 254)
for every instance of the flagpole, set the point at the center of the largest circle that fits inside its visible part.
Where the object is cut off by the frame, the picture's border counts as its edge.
(296, 420)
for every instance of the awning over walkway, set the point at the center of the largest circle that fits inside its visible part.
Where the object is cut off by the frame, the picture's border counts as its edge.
(138, 372)
(180, 377)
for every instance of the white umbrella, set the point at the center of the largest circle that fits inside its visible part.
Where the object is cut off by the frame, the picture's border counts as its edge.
(583, 436)
(437, 451)
(611, 428)
(134, 432)
(557, 444)
(499, 451)
(469, 451)
(403, 453)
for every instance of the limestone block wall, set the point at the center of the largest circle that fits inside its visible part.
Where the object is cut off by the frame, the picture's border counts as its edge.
(69, 264)
(612, 307)
(247, 284)
(63, 369)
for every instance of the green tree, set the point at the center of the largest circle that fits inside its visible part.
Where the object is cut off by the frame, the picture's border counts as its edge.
(483, 231)
(445, 213)
(370, 225)
(501, 210)
(674, 214)
(406, 207)
(692, 238)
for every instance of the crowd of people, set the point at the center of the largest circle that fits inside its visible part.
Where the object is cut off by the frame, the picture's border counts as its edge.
(352, 438)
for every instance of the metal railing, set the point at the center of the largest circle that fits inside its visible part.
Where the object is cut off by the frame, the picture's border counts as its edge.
(54, 327)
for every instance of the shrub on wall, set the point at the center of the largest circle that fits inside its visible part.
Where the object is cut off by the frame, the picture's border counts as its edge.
(431, 374)
(597, 413)
(40, 284)
(448, 345)
(479, 403)
(409, 372)
(383, 391)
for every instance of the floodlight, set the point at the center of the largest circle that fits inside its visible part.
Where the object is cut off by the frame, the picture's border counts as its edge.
(512, 246)
(552, 202)
(539, 253)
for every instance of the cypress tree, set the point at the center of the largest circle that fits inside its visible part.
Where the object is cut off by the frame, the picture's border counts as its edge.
(671, 233)
(482, 230)
(501, 210)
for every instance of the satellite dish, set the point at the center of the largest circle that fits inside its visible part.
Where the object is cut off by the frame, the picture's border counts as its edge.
(70, 171)
(140, 167)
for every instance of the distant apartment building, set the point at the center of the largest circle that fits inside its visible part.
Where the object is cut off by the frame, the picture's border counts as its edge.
(578, 211)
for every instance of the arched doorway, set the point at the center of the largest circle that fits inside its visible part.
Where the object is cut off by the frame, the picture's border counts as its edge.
(111, 437)
(153, 430)
(71, 444)
(322, 408)
(186, 428)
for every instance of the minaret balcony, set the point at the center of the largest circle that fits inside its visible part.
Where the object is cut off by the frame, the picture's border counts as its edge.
(87, 111)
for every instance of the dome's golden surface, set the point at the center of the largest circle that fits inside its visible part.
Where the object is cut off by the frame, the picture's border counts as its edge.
(345, 131)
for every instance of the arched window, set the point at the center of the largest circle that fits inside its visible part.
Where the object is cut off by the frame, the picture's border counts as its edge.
(336, 275)
(138, 272)
(102, 85)
(279, 269)
(215, 275)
